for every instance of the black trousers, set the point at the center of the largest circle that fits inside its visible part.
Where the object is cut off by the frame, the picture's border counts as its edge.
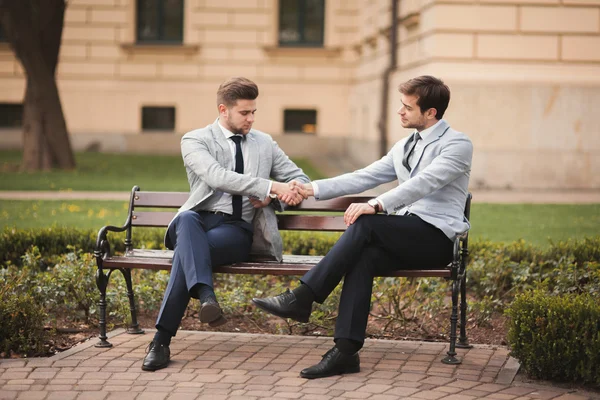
(372, 245)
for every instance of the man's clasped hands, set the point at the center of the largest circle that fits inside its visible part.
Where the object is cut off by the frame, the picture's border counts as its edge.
(291, 193)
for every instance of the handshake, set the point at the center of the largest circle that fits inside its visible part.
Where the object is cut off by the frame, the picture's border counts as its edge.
(292, 192)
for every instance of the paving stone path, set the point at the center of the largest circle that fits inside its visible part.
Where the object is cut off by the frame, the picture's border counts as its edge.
(208, 365)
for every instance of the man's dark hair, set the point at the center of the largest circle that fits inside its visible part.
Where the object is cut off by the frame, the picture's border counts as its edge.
(431, 92)
(235, 89)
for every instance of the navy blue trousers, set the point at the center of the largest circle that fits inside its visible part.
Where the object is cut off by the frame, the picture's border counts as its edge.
(371, 246)
(200, 240)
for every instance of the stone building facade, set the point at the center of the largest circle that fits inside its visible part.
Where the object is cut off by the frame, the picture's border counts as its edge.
(524, 75)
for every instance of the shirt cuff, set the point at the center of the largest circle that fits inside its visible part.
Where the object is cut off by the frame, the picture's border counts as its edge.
(269, 190)
(381, 203)
(315, 190)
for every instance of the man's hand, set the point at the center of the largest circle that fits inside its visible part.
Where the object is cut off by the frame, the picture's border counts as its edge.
(355, 210)
(260, 204)
(305, 189)
(289, 193)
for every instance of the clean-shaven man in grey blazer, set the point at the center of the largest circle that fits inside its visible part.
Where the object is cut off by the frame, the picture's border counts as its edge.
(411, 226)
(230, 212)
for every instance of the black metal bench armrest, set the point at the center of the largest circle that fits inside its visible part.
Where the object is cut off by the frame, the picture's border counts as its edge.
(102, 249)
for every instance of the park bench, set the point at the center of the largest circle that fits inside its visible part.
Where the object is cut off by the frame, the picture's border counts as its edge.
(308, 216)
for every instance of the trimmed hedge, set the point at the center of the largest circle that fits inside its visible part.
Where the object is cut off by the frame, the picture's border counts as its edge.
(51, 242)
(556, 337)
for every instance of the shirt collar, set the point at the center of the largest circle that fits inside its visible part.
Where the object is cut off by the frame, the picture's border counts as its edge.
(226, 132)
(426, 132)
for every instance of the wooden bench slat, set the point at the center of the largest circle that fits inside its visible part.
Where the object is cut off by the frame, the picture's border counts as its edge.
(338, 204)
(176, 200)
(291, 265)
(311, 223)
(160, 199)
(152, 218)
(285, 221)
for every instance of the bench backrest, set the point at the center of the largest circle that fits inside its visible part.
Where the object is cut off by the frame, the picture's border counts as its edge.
(143, 202)
(296, 219)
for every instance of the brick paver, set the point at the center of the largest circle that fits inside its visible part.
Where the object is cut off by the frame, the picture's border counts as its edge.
(208, 365)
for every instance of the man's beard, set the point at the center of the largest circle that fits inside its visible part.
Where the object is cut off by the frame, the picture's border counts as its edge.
(234, 130)
(418, 125)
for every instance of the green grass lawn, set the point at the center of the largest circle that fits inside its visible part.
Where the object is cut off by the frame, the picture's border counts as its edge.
(108, 172)
(536, 224)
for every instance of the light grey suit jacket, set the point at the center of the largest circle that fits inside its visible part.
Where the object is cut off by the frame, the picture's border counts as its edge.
(206, 150)
(436, 189)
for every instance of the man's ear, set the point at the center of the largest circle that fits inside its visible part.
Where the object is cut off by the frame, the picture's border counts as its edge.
(222, 109)
(431, 113)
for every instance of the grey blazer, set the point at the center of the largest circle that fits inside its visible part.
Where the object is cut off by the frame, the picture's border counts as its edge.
(436, 189)
(204, 153)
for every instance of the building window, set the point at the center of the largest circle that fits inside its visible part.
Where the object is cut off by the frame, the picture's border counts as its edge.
(2, 35)
(301, 23)
(11, 115)
(158, 118)
(304, 121)
(160, 21)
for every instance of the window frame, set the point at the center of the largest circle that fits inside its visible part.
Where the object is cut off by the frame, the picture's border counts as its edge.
(3, 38)
(160, 4)
(301, 25)
(153, 107)
(300, 109)
(16, 107)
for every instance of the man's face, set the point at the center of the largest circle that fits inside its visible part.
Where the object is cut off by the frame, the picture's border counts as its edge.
(238, 118)
(410, 114)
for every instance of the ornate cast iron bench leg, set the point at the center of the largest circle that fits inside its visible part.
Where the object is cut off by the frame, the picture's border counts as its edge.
(102, 283)
(463, 340)
(451, 354)
(134, 329)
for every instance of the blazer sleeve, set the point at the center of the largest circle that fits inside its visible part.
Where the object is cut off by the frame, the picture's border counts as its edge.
(375, 174)
(453, 161)
(284, 170)
(197, 156)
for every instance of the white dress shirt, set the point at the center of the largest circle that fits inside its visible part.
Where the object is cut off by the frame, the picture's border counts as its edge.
(411, 161)
(224, 203)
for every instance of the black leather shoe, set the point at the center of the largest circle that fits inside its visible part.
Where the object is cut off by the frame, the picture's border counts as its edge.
(284, 305)
(157, 357)
(211, 313)
(334, 362)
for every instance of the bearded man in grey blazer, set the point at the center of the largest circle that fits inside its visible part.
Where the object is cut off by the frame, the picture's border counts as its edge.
(411, 226)
(230, 212)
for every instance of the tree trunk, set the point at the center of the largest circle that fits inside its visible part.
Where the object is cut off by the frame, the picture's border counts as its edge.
(34, 29)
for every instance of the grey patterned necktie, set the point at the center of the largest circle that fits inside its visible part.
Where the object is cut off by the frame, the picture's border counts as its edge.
(412, 142)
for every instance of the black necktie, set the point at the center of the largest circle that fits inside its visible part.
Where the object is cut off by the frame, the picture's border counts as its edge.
(414, 139)
(236, 200)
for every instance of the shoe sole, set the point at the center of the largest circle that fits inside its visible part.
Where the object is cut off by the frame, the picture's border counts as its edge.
(210, 313)
(218, 322)
(152, 369)
(352, 370)
(280, 315)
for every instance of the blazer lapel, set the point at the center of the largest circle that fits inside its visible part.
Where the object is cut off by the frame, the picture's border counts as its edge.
(434, 137)
(221, 141)
(253, 152)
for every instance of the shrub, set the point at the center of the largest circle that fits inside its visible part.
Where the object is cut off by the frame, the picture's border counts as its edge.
(499, 271)
(69, 287)
(52, 242)
(556, 337)
(21, 318)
